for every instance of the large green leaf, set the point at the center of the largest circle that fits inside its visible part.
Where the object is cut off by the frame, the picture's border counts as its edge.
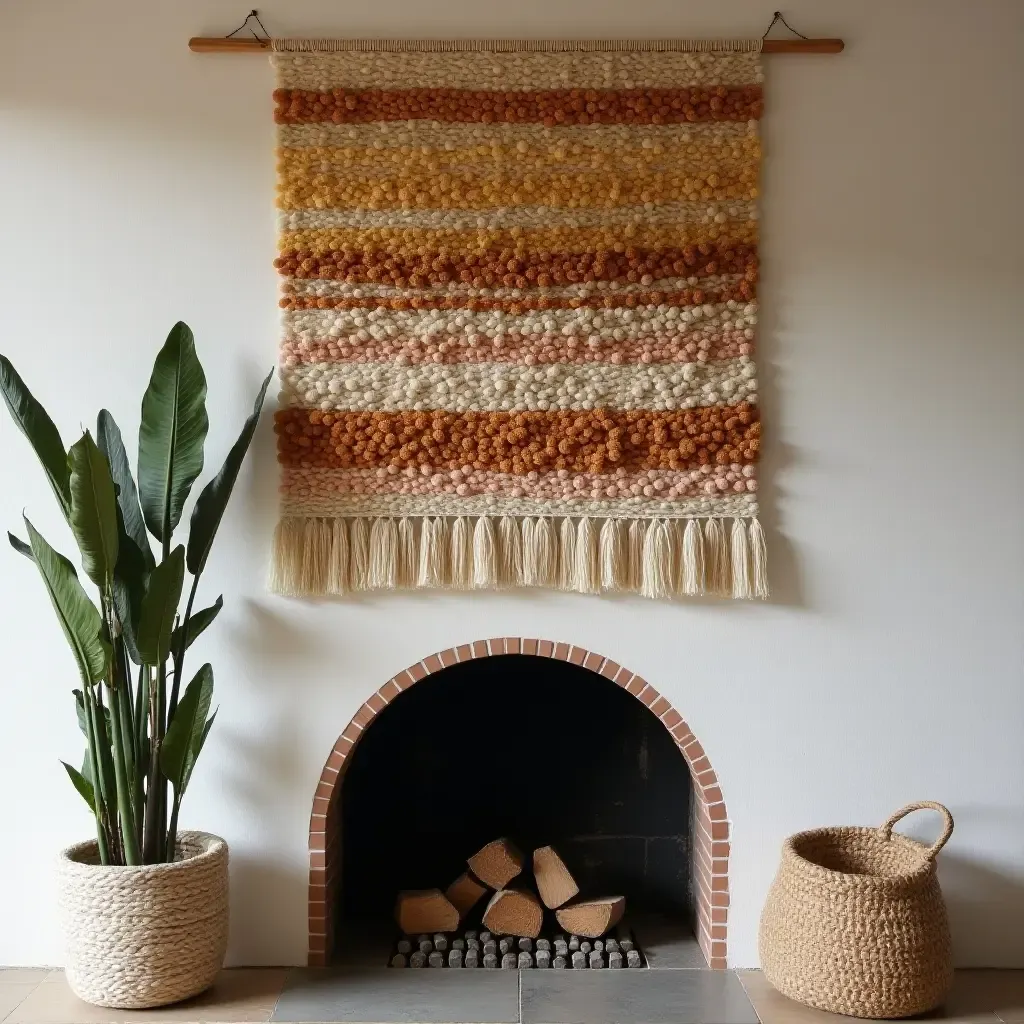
(197, 624)
(159, 606)
(83, 785)
(193, 754)
(87, 773)
(34, 422)
(135, 556)
(80, 712)
(187, 729)
(102, 742)
(93, 515)
(213, 498)
(79, 617)
(19, 545)
(172, 432)
(110, 442)
(130, 579)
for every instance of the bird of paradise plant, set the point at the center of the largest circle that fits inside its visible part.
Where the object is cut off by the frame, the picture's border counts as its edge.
(144, 730)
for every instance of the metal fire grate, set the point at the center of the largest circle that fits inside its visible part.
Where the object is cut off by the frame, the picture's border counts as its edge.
(481, 949)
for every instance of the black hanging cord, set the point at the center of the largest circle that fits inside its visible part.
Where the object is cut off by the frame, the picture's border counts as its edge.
(245, 24)
(778, 17)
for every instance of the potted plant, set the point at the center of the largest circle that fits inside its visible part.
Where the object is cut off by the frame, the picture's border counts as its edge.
(143, 907)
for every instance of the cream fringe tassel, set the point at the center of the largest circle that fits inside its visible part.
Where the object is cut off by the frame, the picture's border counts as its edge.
(658, 558)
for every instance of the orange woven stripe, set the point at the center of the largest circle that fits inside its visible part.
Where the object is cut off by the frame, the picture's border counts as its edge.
(548, 107)
(598, 441)
(509, 269)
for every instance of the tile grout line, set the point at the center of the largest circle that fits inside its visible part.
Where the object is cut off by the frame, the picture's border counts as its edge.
(284, 984)
(31, 990)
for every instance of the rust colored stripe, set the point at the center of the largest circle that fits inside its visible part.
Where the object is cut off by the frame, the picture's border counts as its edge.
(550, 107)
(744, 292)
(506, 268)
(598, 441)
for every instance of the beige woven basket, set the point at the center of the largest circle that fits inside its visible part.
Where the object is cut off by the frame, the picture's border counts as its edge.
(855, 922)
(144, 936)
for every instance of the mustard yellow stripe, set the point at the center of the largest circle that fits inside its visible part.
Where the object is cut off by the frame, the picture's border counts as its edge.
(413, 241)
(649, 156)
(297, 190)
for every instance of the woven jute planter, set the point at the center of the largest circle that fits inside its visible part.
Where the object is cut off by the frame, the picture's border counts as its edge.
(144, 936)
(855, 922)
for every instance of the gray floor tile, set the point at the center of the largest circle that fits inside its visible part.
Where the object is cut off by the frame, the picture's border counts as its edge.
(667, 942)
(644, 997)
(390, 996)
(974, 1000)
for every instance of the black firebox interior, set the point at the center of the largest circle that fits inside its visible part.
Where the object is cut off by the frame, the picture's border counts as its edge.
(541, 751)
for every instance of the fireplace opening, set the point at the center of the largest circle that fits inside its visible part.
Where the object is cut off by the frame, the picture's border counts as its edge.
(543, 751)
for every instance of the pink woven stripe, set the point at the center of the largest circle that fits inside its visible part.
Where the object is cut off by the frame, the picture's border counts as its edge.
(302, 482)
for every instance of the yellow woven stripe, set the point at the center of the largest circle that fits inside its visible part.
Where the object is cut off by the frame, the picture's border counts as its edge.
(413, 241)
(648, 156)
(462, 191)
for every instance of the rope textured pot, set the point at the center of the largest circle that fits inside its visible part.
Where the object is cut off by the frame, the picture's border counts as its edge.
(145, 936)
(855, 922)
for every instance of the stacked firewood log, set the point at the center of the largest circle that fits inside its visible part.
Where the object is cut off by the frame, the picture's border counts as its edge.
(515, 911)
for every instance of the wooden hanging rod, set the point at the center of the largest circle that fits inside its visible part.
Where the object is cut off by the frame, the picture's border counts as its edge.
(209, 44)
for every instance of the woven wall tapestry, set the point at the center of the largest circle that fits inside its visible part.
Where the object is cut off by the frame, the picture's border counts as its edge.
(519, 299)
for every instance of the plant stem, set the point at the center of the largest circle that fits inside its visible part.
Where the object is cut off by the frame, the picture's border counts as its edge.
(127, 737)
(127, 709)
(120, 734)
(139, 740)
(151, 842)
(161, 724)
(103, 769)
(179, 655)
(107, 776)
(129, 837)
(172, 829)
(97, 803)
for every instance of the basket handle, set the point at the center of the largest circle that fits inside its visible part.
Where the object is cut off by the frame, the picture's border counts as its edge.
(885, 830)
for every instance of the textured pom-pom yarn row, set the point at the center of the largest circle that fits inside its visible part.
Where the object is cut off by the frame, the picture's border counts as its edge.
(519, 301)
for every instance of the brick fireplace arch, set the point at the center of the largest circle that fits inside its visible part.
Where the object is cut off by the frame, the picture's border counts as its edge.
(711, 831)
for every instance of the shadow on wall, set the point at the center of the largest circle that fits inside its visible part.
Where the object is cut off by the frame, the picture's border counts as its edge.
(264, 772)
(986, 908)
(280, 888)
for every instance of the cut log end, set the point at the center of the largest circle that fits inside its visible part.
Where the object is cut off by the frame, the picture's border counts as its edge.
(464, 893)
(425, 910)
(592, 918)
(513, 912)
(496, 864)
(554, 880)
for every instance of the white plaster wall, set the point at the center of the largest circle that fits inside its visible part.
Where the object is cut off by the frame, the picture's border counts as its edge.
(137, 186)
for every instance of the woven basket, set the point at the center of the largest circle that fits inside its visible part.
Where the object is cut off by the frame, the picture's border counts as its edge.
(144, 936)
(855, 922)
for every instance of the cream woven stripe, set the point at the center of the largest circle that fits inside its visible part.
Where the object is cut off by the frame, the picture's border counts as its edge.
(586, 322)
(344, 479)
(516, 45)
(684, 212)
(744, 505)
(515, 71)
(421, 133)
(510, 387)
